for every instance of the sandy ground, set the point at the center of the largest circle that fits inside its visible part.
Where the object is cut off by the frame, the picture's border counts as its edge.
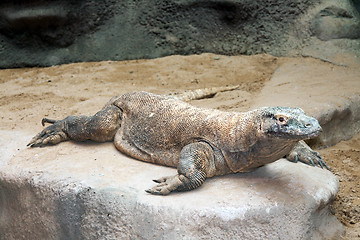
(344, 161)
(28, 95)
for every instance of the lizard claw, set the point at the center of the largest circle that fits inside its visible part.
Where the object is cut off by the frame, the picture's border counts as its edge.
(166, 185)
(47, 120)
(311, 161)
(161, 180)
(317, 160)
(322, 163)
(51, 135)
(160, 189)
(308, 156)
(303, 153)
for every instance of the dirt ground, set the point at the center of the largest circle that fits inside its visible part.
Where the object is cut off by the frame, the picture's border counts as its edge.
(344, 161)
(27, 95)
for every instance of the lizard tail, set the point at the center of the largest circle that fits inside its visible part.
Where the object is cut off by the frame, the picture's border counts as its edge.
(202, 93)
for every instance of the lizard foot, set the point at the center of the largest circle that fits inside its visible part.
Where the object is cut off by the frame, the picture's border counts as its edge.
(50, 135)
(166, 185)
(305, 154)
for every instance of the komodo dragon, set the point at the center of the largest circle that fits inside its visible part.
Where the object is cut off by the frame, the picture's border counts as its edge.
(200, 142)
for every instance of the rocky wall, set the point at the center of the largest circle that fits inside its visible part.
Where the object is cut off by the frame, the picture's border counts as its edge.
(45, 33)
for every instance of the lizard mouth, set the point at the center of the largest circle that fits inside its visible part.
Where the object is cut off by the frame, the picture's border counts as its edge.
(309, 128)
(301, 129)
(297, 134)
(310, 134)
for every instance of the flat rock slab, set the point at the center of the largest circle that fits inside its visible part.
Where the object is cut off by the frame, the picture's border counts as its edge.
(91, 191)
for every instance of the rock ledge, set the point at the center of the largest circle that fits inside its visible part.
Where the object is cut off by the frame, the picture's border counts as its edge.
(57, 193)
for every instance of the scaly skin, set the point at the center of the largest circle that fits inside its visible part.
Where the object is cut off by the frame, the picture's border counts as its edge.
(201, 143)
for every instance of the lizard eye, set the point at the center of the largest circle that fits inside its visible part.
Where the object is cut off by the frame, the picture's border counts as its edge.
(281, 119)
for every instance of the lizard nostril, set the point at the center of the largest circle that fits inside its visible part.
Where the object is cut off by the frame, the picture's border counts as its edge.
(308, 125)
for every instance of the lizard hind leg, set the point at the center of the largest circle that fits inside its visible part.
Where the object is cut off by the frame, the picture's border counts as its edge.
(192, 168)
(100, 127)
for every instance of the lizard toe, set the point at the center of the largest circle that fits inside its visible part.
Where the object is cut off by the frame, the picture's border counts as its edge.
(311, 161)
(161, 180)
(166, 185)
(51, 135)
(54, 138)
(325, 165)
(158, 190)
(322, 163)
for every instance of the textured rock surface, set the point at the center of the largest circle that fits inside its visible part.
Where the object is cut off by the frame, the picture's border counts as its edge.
(334, 22)
(45, 33)
(58, 195)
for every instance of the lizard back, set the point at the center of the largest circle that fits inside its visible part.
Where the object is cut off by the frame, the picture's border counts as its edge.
(155, 128)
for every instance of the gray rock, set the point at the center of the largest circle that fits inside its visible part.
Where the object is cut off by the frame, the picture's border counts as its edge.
(45, 33)
(333, 22)
(91, 191)
(334, 26)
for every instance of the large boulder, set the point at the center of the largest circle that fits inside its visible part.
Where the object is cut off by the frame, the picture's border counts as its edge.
(91, 191)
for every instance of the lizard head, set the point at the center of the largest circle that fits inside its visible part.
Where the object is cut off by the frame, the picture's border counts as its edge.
(289, 123)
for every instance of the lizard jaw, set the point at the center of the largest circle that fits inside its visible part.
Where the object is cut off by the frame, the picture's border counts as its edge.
(296, 134)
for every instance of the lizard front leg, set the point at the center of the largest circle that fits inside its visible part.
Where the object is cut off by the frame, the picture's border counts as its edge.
(303, 153)
(101, 128)
(194, 160)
